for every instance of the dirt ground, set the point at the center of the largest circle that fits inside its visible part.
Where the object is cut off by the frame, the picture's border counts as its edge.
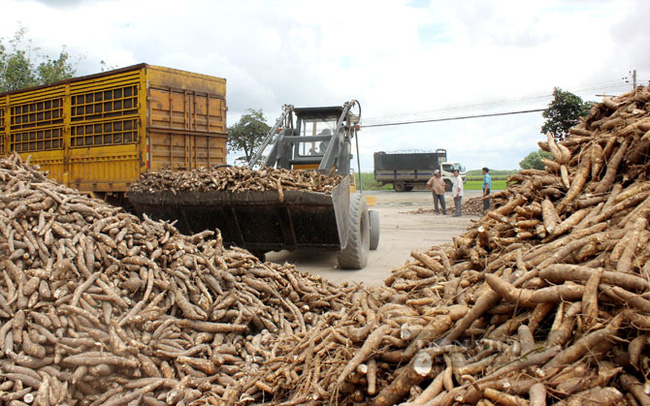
(400, 233)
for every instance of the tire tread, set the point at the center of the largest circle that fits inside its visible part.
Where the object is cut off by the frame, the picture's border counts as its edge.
(355, 254)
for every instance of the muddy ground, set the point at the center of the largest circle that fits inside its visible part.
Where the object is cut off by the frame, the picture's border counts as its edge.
(401, 232)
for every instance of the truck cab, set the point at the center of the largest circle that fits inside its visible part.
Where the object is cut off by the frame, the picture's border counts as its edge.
(447, 172)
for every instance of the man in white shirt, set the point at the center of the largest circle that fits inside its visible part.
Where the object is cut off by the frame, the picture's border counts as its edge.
(457, 192)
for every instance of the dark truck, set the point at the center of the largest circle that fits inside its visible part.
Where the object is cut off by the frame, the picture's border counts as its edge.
(407, 169)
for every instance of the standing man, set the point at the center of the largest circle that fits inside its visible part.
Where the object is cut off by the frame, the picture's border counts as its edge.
(437, 185)
(487, 185)
(457, 192)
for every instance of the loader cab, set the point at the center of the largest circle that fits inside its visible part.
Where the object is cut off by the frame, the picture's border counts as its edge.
(317, 130)
(322, 142)
(317, 138)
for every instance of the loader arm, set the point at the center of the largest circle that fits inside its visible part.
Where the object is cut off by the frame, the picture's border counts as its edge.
(338, 153)
(282, 124)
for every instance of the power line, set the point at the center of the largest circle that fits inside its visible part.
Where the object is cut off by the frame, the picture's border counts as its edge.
(508, 113)
(490, 103)
(482, 105)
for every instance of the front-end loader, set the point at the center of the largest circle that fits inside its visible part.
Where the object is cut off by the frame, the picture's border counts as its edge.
(308, 138)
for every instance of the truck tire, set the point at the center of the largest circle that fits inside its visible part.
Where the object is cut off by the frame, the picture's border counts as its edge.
(355, 254)
(399, 186)
(448, 185)
(374, 229)
(409, 188)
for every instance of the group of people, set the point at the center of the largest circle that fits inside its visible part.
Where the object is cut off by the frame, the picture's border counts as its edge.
(438, 187)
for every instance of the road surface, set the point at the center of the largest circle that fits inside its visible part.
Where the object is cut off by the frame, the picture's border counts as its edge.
(400, 232)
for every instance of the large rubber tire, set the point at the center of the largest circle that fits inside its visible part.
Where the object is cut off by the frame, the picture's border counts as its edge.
(409, 188)
(448, 185)
(374, 229)
(355, 254)
(399, 186)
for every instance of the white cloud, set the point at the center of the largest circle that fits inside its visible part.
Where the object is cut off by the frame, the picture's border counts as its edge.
(408, 60)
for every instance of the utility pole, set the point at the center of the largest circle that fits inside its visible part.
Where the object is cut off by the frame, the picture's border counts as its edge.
(627, 79)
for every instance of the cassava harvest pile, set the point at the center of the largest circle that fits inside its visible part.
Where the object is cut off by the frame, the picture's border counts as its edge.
(471, 206)
(235, 179)
(545, 300)
(100, 308)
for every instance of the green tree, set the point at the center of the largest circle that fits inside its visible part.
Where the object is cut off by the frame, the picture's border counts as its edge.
(248, 133)
(53, 70)
(563, 112)
(534, 160)
(22, 65)
(105, 66)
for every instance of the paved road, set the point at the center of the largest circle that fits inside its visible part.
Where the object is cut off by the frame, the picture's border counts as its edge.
(401, 232)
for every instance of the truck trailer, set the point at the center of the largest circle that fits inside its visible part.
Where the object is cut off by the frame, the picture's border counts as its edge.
(98, 133)
(408, 169)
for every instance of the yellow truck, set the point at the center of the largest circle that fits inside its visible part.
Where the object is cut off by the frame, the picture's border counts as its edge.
(98, 133)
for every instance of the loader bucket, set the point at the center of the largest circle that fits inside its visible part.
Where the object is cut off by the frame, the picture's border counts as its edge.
(254, 220)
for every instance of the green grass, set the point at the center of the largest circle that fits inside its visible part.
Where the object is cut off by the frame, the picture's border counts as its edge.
(493, 173)
(368, 182)
(476, 184)
(480, 178)
(496, 175)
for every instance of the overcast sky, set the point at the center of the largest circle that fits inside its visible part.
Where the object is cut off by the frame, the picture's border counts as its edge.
(403, 60)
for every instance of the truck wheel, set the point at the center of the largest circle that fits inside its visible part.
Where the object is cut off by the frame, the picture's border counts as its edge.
(355, 254)
(374, 229)
(399, 186)
(448, 185)
(409, 188)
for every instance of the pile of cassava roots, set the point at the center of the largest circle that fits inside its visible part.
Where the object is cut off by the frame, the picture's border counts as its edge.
(544, 300)
(98, 307)
(234, 179)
